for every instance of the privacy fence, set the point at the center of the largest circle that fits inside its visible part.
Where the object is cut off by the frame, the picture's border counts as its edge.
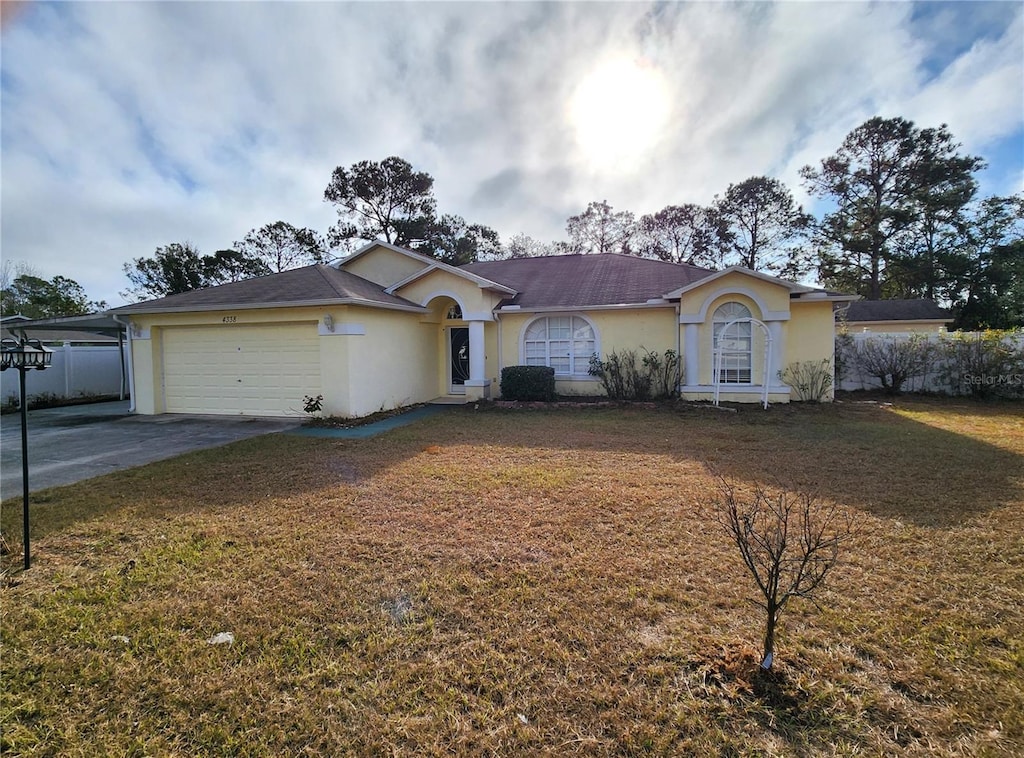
(76, 371)
(983, 364)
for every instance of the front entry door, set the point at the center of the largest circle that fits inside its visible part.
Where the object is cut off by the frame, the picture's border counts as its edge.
(458, 359)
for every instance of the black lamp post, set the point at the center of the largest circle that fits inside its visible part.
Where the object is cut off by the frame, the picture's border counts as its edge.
(24, 355)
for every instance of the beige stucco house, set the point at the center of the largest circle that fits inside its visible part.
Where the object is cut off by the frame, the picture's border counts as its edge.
(387, 327)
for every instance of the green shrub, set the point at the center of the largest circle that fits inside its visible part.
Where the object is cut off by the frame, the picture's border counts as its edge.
(811, 380)
(627, 376)
(984, 364)
(528, 383)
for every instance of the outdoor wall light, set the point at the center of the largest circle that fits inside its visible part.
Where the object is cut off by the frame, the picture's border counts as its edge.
(24, 355)
(328, 322)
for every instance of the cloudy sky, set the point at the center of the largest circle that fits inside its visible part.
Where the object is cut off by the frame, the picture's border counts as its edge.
(130, 125)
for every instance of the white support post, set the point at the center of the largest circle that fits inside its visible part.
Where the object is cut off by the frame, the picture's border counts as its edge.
(477, 386)
(691, 354)
(477, 351)
(778, 350)
(67, 368)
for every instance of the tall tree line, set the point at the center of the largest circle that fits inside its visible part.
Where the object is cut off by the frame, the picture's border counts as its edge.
(904, 221)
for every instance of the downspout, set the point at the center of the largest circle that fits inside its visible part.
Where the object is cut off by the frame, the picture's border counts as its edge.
(131, 363)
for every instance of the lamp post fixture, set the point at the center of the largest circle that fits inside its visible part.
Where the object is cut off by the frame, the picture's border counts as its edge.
(24, 355)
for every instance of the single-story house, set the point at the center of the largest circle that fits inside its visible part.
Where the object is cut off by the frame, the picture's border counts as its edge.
(388, 327)
(894, 316)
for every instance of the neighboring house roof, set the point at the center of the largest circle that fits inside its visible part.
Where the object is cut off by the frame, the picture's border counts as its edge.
(318, 284)
(576, 281)
(897, 310)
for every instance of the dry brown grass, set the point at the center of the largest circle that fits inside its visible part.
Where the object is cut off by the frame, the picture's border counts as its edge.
(533, 582)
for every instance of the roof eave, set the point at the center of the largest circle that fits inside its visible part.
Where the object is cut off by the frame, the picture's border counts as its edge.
(479, 281)
(566, 308)
(785, 283)
(130, 310)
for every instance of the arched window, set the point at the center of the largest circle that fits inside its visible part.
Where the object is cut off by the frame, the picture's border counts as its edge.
(736, 344)
(565, 343)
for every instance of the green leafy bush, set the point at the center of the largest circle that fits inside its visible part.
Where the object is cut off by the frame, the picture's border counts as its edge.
(528, 383)
(984, 364)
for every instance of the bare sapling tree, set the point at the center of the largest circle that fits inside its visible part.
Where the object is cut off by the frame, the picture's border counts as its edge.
(789, 543)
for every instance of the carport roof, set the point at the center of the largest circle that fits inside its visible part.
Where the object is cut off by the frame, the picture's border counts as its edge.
(318, 284)
(90, 327)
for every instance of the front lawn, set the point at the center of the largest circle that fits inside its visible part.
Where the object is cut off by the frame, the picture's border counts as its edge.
(526, 582)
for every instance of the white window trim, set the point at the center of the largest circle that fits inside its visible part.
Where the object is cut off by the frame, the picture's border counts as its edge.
(748, 320)
(575, 377)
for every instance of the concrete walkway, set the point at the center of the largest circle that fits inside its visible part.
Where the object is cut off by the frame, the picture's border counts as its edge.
(73, 443)
(371, 430)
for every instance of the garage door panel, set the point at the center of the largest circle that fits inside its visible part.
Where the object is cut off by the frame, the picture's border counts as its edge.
(245, 370)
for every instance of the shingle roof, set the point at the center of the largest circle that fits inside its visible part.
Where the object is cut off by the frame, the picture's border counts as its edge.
(311, 284)
(576, 281)
(896, 310)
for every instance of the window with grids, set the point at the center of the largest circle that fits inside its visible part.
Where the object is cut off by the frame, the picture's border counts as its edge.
(736, 344)
(565, 343)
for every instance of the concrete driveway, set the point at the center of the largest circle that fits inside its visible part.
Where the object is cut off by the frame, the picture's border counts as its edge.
(66, 445)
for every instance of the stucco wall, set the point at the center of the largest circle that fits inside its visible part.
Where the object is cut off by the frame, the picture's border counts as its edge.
(373, 359)
(773, 297)
(811, 335)
(384, 267)
(616, 330)
(476, 303)
(393, 364)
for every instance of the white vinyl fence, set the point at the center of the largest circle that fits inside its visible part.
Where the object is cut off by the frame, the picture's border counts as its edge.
(76, 370)
(939, 375)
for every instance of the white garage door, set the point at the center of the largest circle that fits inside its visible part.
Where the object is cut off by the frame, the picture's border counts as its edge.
(245, 370)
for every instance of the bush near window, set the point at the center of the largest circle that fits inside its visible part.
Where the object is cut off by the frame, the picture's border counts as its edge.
(810, 380)
(528, 383)
(627, 376)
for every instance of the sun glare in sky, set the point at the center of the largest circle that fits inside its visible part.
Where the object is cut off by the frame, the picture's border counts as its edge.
(619, 111)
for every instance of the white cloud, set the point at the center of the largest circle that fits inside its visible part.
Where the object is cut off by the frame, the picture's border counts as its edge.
(132, 125)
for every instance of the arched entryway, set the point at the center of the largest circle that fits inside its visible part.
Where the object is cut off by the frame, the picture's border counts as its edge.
(460, 348)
